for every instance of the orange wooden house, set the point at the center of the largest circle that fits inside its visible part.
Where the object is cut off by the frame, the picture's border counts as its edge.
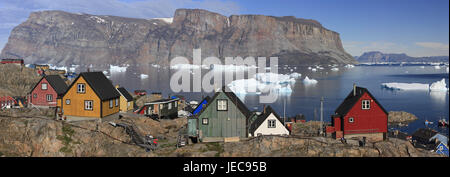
(91, 94)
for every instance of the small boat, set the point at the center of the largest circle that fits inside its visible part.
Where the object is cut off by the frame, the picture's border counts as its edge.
(428, 122)
(443, 123)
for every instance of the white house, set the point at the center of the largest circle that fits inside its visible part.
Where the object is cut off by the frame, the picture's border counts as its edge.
(268, 123)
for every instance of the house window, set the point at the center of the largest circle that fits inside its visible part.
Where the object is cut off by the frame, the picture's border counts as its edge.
(271, 123)
(129, 104)
(205, 121)
(88, 105)
(351, 120)
(170, 105)
(110, 103)
(44, 86)
(81, 88)
(49, 97)
(117, 102)
(161, 106)
(365, 104)
(67, 101)
(222, 105)
(176, 104)
(35, 95)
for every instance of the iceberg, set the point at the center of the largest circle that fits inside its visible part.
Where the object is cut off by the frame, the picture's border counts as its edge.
(334, 69)
(295, 75)
(274, 78)
(439, 86)
(156, 66)
(307, 80)
(405, 86)
(113, 68)
(437, 67)
(447, 69)
(144, 76)
(314, 69)
(232, 68)
(349, 66)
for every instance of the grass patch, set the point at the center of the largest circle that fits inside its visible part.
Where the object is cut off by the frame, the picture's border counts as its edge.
(66, 138)
(216, 146)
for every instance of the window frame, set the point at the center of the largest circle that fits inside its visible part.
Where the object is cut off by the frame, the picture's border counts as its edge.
(117, 102)
(365, 106)
(67, 101)
(49, 96)
(220, 106)
(42, 86)
(351, 120)
(78, 88)
(34, 95)
(203, 121)
(110, 103)
(92, 105)
(269, 121)
(169, 106)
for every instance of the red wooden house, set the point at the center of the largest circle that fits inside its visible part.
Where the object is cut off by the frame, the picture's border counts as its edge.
(7, 102)
(359, 115)
(47, 91)
(12, 61)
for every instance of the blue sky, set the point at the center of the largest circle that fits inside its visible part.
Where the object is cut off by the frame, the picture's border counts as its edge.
(414, 27)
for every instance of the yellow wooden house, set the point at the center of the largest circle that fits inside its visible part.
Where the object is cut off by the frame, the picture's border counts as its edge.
(91, 94)
(126, 100)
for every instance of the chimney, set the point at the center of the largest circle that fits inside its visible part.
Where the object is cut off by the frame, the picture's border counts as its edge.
(354, 89)
(264, 109)
(117, 86)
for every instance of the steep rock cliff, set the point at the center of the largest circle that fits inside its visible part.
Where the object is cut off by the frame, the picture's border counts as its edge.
(64, 38)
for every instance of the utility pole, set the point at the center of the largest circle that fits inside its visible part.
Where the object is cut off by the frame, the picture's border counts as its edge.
(284, 112)
(321, 116)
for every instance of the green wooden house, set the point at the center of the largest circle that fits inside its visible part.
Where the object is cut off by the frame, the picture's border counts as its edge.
(163, 108)
(225, 116)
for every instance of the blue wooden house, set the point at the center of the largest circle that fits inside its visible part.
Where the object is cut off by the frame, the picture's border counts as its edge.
(442, 149)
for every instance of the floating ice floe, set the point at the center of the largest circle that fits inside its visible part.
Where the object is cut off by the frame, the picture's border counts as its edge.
(405, 86)
(439, 86)
(334, 69)
(314, 69)
(349, 66)
(144, 76)
(447, 69)
(232, 67)
(437, 67)
(274, 78)
(295, 75)
(422, 67)
(307, 80)
(113, 68)
(246, 86)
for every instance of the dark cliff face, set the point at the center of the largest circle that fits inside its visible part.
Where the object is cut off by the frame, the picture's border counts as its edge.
(376, 57)
(64, 38)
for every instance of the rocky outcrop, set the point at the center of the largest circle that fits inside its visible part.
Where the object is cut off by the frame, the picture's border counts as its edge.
(64, 38)
(45, 137)
(400, 117)
(377, 57)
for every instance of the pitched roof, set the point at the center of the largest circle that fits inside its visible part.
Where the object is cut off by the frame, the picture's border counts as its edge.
(101, 85)
(200, 106)
(125, 93)
(56, 82)
(166, 100)
(351, 100)
(239, 104)
(262, 117)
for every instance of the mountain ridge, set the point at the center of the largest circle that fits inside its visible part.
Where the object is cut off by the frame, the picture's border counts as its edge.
(63, 38)
(377, 56)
